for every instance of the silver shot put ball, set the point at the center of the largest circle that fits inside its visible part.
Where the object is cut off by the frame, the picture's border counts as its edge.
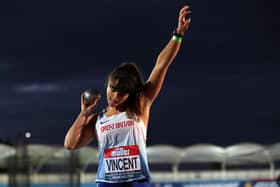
(90, 95)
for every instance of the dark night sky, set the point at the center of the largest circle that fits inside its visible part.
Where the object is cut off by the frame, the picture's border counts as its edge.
(223, 87)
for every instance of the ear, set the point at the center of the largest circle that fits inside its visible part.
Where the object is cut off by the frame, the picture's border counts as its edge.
(126, 96)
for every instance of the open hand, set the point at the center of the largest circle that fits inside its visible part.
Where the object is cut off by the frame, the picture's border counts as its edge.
(183, 23)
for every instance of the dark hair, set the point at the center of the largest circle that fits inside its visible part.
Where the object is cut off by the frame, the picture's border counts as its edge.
(127, 78)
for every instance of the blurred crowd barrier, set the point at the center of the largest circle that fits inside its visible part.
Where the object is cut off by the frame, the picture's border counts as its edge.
(243, 164)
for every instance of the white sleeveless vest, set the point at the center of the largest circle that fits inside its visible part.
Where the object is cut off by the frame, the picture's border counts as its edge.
(122, 149)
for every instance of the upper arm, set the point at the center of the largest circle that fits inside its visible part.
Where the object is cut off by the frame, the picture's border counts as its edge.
(154, 83)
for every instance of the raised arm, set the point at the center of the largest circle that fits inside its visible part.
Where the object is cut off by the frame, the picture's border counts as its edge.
(166, 57)
(82, 131)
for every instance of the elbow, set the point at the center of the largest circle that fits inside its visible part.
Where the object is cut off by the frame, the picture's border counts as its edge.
(70, 142)
(70, 146)
(67, 146)
(163, 62)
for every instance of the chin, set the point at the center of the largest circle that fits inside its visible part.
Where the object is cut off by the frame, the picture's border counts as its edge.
(111, 104)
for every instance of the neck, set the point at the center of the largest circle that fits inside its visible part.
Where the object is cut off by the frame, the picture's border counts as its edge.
(114, 110)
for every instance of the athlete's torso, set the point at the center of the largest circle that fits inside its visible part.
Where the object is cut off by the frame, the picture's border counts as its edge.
(122, 149)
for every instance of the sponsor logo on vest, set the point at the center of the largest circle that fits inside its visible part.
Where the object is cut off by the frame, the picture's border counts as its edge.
(120, 152)
(102, 122)
(117, 125)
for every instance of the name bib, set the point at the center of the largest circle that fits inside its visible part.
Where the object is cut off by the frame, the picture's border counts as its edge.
(122, 162)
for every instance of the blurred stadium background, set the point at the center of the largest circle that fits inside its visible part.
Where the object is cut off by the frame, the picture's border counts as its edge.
(238, 165)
